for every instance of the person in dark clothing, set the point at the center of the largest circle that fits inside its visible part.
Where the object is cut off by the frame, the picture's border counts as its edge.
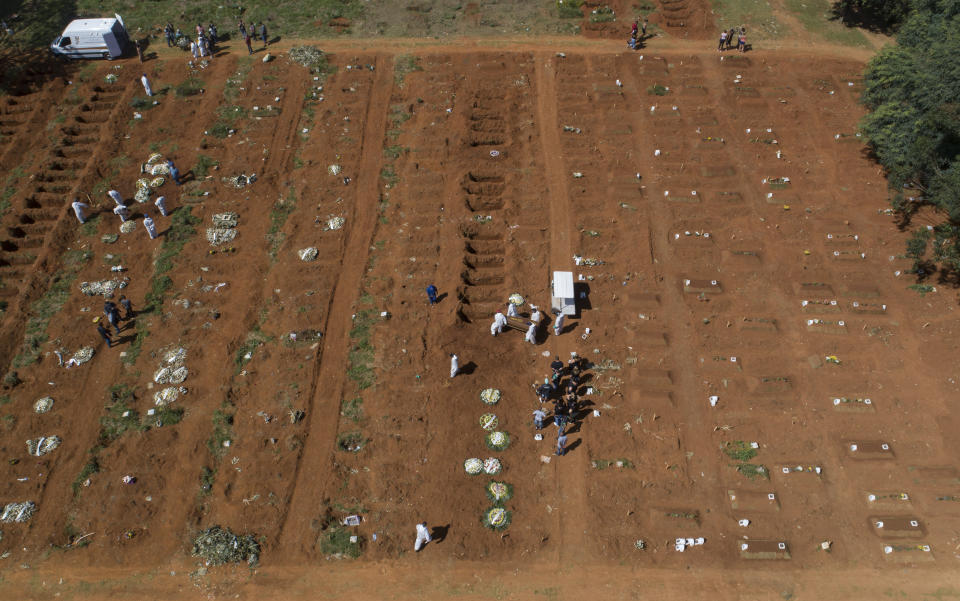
(544, 392)
(212, 30)
(105, 334)
(556, 365)
(127, 306)
(174, 172)
(560, 415)
(246, 40)
(263, 33)
(243, 29)
(730, 36)
(432, 294)
(168, 34)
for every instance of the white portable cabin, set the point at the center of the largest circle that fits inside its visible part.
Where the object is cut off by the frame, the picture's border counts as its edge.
(92, 38)
(561, 291)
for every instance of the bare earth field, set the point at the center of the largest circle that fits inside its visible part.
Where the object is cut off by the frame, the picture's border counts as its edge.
(714, 277)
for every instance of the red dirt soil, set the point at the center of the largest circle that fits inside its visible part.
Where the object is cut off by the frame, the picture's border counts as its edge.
(427, 202)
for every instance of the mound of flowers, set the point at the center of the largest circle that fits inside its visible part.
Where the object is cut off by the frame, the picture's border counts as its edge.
(499, 492)
(491, 466)
(496, 518)
(473, 466)
(515, 299)
(498, 441)
(490, 396)
(489, 421)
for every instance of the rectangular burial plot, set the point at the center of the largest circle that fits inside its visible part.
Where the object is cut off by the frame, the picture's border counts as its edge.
(820, 290)
(692, 286)
(847, 255)
(675, 516)
(682, 195)
(763, 549)
(826, 326)
(868, 308)
(869, 449)
(757, 324)
(703, 117)
(752, 500)
(652, 379)
(842, 240)
(742, 257)
(860, 290)
(653, 400)
(801, 470)
(888, 499)
(853, 404)
(897, 526)
(693, 90)
(907, 552)
(721, 170)
(721, 361)
(692, 244)
(936, 475)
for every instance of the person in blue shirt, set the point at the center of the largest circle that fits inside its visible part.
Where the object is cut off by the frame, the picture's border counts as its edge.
(432, 294)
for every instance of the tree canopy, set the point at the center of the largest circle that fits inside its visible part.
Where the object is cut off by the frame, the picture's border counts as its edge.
(912, 89)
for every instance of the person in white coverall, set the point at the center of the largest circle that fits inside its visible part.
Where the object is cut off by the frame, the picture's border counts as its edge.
(423, 536)
(558, 324)
(499, 322)
(531, 335)
(454, 365)
(151, 228)
(78, 208)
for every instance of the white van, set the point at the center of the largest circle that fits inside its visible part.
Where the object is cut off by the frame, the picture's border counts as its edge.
(92, 38)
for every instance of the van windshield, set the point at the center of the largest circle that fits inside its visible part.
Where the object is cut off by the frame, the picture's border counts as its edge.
(65, 41)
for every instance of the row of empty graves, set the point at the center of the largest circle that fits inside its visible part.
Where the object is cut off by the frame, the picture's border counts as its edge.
(53, 185)
(494, 148)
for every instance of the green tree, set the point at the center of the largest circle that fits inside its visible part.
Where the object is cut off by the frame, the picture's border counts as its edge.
(913, 92)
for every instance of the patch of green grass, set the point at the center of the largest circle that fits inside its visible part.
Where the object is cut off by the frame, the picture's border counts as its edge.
(142, 103)
(227, 118)
(91, 226)
(335, 541)
(739, 450)
(182, 228)
(569, 9)
(222, 430)
(753, 471)
(91, 467)
(351, 409)
(278, 218)
(163, 416)
(203, 165)
(602, 14)
(361, 355)
(244, 354)
(207, 477)
(393, 152)
(398, 115)
(658, 90)
(10, 188)
(136, 346)
(755, 15)
(923, 289)
(388, 175)
(815, 15)
(48, 305)
(351, 442)
(403, 64)
(5, 400)
(191, 86)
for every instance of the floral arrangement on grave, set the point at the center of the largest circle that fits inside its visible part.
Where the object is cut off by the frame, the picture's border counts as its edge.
(490, 396)
(498, 441)
(492, 466)
(473, 466)
(489, 421)
(515, 299)
(499, 492)
(496, 518)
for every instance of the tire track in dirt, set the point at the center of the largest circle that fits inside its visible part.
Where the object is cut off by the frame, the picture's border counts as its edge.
(571, 482)
(329, 380)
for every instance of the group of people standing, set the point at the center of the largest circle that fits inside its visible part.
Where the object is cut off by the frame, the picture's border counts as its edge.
(252, 34)
(726, 39)
(112, 313)
(206, 40)
(566, 406)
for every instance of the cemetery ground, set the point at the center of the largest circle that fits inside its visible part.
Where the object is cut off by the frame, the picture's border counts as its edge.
(758, 351)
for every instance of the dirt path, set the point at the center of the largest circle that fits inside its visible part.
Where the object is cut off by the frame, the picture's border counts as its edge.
(314, 467)
(569, 471)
